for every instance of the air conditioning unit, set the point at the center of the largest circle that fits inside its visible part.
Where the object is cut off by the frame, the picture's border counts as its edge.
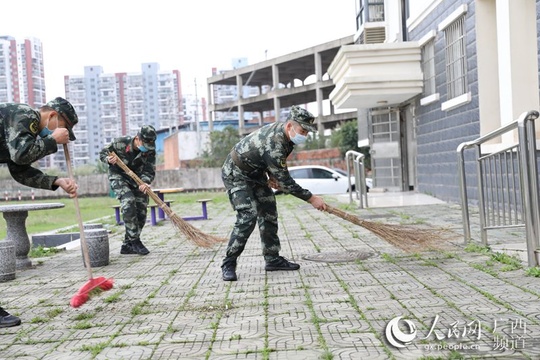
(373, 35)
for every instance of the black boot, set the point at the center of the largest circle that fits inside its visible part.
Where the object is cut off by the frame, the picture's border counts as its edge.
(139, 247)
(280, 263)
(127, 249)
(7, 320)
(229, 271)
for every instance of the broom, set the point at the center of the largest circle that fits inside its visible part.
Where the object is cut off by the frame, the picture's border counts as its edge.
(195, 235)
(407, 238)
(93, 285)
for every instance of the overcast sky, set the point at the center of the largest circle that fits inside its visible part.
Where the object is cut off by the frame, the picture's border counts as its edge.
(189, 36)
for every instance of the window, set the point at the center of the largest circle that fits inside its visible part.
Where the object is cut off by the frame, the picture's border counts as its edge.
(300, 174)
(428, 66)
(456, 63)
(321, 174)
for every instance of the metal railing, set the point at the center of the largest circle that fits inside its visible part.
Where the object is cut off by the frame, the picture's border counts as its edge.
(357, 160)
(507, 184)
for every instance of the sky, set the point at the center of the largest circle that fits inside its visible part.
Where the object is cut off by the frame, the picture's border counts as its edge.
(190, 36)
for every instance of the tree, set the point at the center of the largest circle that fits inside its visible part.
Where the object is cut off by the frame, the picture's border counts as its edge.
(346, 138)
(221, 143)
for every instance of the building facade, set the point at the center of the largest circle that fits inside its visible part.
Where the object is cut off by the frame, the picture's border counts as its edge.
(22, 74)
(110, 105)
(427, 75)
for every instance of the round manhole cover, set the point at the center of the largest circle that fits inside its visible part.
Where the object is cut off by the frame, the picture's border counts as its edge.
(334, 257)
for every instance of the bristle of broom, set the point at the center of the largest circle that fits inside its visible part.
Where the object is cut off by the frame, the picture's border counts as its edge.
(193, 234)
(406, 238)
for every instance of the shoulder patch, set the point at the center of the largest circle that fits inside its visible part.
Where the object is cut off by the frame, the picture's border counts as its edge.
(283, 163)
(34, 126)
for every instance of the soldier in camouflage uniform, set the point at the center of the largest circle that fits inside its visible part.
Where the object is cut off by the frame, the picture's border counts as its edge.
(255, 165)
(28, 135)
(139, 154)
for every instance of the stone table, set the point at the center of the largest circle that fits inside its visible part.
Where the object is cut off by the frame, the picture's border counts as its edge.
(15, 216)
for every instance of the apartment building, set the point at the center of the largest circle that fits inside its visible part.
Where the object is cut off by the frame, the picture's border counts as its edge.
(22, 75)
(117, 104)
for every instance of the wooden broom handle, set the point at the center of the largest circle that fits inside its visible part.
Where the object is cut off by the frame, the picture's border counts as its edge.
(138, 180)
(84, 246)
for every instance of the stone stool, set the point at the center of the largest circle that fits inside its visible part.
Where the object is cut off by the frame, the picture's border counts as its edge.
(97, 241)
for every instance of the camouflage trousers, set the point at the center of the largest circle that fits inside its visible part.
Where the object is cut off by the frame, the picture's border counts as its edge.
(133, 205)
(254, 203)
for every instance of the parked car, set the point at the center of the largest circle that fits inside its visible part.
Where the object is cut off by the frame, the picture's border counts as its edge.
(321, 180)
(369, 181)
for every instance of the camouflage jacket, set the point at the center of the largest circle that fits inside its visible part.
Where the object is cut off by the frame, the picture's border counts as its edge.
(142, 164)
(20, 145)
(266, 151)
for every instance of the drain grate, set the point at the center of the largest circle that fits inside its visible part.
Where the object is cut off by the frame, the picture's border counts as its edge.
(336, 257)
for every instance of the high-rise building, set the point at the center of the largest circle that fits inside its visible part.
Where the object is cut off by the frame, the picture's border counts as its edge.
(226, 93)
(22, 75)
(112, 105)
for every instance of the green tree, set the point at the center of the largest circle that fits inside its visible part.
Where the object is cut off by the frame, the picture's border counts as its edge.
(346, 138)
(221, 143)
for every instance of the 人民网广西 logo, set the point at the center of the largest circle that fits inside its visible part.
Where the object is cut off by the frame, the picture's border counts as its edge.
(398, 338)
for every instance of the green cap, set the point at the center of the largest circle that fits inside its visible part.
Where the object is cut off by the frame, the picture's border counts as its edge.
(148, 136)
(303, 117)
(66, 110)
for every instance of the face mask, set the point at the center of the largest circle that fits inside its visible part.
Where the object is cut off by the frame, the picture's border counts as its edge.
(142, 148)
(45, 132)
(298, 138)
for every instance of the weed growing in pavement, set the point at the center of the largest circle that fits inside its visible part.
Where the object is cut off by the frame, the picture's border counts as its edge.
(485, 269)
(38, 320)
(52, 313)
(112, 298)
(388, 258)
(83, 325)
(476, 248)
(533, 271)
(94, 349)
(40, 251)
(510, 262)
(83, 316)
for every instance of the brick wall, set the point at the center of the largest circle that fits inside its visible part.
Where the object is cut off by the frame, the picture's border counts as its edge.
(331, 158)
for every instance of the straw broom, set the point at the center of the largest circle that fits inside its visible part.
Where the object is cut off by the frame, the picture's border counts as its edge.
(407, 238)
(193, 234)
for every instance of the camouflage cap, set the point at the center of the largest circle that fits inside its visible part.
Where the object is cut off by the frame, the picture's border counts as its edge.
(148, 136)
(303, 117)
(66, 110)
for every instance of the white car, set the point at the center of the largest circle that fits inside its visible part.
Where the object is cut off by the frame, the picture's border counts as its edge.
(321, 179)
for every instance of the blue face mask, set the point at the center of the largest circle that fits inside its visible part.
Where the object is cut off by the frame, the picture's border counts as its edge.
(45, 132)
(142, 148)
(298, 138)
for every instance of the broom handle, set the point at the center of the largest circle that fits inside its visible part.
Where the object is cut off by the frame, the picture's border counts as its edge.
(134, 176)
(344, 215)
(84, 246)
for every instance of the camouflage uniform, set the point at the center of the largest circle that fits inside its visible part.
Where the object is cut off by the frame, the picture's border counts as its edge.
(133, 202)
(21, 145)
(244, 175)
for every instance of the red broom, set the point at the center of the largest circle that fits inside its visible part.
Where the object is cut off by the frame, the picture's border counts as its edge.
(93, 285)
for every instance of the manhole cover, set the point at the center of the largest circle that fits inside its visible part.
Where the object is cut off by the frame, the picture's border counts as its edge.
(339, 256)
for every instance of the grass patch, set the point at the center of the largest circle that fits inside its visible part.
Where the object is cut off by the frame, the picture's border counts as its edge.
(510, 262)
(40, 251)
(476, 248)
(533, 271)
(93, 208)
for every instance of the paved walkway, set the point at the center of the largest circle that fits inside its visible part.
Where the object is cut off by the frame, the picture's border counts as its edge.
(355, 297)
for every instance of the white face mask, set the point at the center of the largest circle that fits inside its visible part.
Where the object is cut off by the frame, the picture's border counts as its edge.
(298, 138)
